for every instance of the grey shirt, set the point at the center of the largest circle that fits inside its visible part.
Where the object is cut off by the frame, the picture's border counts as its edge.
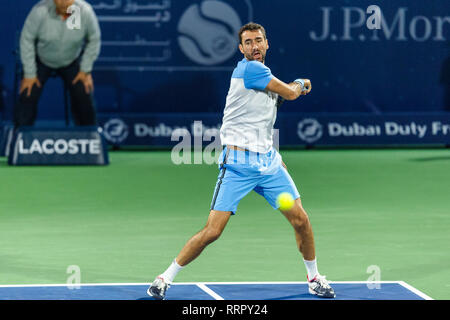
(46, 35)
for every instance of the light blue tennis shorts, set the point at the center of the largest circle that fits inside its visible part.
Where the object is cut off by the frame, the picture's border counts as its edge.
(244, 171)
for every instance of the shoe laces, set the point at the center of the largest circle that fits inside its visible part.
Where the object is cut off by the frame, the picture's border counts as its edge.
(322, 281)
(168, 283)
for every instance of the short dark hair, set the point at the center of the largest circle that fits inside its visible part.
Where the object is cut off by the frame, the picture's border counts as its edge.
(251, 26)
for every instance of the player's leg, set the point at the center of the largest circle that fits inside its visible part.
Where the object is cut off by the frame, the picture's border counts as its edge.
(270, 188)
(232, 185)
(230, 189)
(215, 224)
(304, 236)
(214, 227)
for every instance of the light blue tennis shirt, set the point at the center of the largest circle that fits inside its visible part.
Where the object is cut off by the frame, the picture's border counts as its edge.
(46, 35)
(250, 110)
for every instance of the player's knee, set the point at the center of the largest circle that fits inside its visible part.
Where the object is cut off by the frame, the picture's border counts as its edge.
(301, 220)
(211, 234)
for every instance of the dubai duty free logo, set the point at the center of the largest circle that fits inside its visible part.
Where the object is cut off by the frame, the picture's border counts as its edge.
(115, 130)
(309, 130)
(208, 31)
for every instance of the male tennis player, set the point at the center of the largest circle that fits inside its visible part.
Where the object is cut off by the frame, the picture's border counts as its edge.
(250, 162)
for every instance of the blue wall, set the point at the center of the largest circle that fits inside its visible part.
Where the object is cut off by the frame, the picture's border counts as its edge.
(180, 57)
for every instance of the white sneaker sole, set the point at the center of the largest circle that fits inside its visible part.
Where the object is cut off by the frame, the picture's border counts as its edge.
(315, 293)
(151, 295)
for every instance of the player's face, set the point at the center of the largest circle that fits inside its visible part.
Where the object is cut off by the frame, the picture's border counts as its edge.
(254, 45)
(62, 5)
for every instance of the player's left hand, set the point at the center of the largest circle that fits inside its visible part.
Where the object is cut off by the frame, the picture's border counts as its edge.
(86, 79)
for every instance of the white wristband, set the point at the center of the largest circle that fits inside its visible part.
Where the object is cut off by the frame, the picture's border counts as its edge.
(302, 83)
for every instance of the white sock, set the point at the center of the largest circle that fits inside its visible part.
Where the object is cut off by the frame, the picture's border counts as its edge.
(171, 271)
(311, 268)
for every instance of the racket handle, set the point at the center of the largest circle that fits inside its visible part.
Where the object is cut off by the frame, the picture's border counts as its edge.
(302, 83)
(280, 101)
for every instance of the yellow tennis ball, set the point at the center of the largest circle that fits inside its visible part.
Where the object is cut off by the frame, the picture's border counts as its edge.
(285, 201)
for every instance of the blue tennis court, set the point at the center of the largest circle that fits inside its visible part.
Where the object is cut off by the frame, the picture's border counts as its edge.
(396, 290)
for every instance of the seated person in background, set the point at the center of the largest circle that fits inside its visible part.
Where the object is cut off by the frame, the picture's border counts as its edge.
(48, 46)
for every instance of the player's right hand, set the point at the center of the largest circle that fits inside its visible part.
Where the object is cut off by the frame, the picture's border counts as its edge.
(307, 87)
(27, 84)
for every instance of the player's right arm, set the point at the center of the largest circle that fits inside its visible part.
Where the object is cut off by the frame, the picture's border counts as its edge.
(289, 91)
(259, 77)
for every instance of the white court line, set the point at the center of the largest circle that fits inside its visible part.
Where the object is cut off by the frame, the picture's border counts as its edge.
(182, 283)
(209, 291)
(416, 291)
(202, 285)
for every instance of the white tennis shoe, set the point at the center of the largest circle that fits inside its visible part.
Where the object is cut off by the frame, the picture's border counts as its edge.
(319, 286)
(158, 288)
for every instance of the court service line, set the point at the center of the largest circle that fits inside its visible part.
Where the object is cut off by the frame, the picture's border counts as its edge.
(209, 291)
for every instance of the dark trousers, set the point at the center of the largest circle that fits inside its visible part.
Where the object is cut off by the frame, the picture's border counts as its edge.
(82, 103)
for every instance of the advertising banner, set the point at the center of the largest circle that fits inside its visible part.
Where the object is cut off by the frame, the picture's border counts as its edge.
(294, 129)
(52, 146)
